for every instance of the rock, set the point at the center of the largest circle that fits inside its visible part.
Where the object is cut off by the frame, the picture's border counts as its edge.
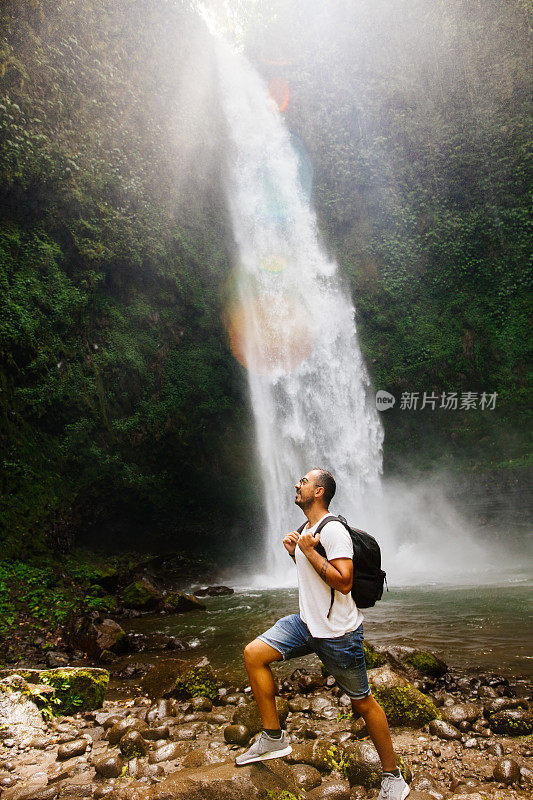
(77, 688)
(225, 782)
(132, 745)
(495, 749)
(363, 766)
(249, 715)
(149, 642)
(373, 658)
(160, 711)
(427, 784)
(93, 635)
(56, 659)
(507, 771)
(120, 728)
(461, 712)
(425, 662)
(501, 704)
(299, 704)
(403, 704)
(214, 591)
(323, 754)
(19, 714)
(37, 793)
(332, 790)
(71, 749)
(310, 683)
(156, 733)
(182, 679)
(109, 765)
(142, 595)
(306, 777)
(444, 730)
(237, 734)
(166, 753)
(179, 602)
(512, 722)
(201, 704)
(322, 708)
(184, 734)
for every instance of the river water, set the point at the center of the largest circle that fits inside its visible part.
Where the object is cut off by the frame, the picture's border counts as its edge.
(486, 627)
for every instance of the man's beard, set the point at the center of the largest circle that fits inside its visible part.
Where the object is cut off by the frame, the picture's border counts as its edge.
(303, 504)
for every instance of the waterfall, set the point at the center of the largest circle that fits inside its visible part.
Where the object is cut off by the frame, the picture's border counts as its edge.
(291, 323)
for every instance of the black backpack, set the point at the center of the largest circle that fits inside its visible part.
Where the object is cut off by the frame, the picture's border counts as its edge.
(368, 577)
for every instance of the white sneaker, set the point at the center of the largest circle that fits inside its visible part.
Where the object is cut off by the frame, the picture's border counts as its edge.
(264, 748)
(393, 788)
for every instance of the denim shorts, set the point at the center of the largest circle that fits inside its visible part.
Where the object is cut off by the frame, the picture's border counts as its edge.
(342, 656)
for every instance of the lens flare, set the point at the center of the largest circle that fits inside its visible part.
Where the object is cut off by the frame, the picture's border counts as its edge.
(270, 335)
(278, 91)
(274, 264)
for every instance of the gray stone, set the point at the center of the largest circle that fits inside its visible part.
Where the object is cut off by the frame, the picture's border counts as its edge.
(402, 702)
(306, 777)
(94, 636)
(461, 712)
(444, 730)
(132, 745)
(184, 734)
(249, 715)
(71, 749)
(160, 711)
(167, 752)
(512, 722)
(109, 765)
(237, 734)
(319, 753)
(19, 714)
(330, 790)
(156, 733)
(426, 783)
(507, 771)
(363, 765)
(299, 704)
(323, 708)
(115, 734)
(201, 704)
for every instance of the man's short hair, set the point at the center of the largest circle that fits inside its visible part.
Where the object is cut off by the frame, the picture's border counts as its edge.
(327, 481)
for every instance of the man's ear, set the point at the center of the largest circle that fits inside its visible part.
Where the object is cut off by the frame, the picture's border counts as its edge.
(319, 490)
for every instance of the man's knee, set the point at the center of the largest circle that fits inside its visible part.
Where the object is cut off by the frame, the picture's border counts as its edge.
(259, 654)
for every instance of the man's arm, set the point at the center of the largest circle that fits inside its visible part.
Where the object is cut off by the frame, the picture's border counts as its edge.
(337, 573)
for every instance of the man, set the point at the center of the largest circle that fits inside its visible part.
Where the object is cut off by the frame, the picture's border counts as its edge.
(336, 637)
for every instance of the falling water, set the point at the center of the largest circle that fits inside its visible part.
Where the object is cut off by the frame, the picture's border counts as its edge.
(291, 323)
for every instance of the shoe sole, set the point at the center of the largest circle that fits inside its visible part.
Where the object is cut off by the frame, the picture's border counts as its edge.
(266, 756)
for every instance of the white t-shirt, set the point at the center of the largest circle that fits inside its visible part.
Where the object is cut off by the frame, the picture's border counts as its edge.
(315, 594)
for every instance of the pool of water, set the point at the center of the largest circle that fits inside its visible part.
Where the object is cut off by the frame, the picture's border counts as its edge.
(478, 627)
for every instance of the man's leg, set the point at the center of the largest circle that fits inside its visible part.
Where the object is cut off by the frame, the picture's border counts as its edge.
(378, 729)
(257, 657)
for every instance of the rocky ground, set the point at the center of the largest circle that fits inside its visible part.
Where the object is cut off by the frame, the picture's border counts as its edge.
(178, 733)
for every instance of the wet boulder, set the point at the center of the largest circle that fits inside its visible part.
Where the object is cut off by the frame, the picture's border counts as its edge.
(71, 749)
(181, 679)
(237, 734)
(120, 728)
(213, 591)
(507, 771)
(322, 754)
(180, 602)
(461, 713)
(362, 764)
(403, 704)
(94, 635)
(373, 657)
(249, 715)
(77, 688)
(132, 745)
(19, 714)
(425, 662)
(330, 790)
(444, 730)
(109, 765)
(502, 704)
(512, 722)
(161, 679)
(142, 595)
(306, 777)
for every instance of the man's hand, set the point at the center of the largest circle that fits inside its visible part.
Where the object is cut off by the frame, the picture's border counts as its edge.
(307, 542)
(290, 542)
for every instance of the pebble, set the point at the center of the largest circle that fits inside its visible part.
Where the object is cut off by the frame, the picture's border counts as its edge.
(109, 766)
(237, 734)
(71, 749)
(507, 771)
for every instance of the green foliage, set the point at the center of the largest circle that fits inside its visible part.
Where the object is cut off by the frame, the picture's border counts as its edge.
(197, 682)
(116, 387)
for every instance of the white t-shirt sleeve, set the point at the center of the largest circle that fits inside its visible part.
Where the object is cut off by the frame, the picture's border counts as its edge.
(336, 541)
